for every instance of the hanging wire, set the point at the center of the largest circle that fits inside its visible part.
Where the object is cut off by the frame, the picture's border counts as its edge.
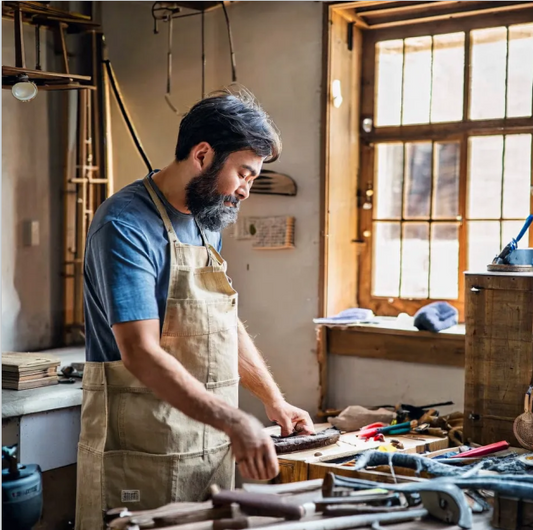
(125, 114)
(38, 47)
(230, 39)
(169, 67)
(203, 54)
(166, 12)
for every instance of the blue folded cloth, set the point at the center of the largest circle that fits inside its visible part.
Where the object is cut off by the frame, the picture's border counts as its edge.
(348, 316)
(436, 316)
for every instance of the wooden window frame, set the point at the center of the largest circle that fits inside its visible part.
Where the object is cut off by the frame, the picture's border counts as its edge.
(457, 131)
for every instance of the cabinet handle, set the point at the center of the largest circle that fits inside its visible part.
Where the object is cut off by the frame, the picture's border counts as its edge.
(476, 289)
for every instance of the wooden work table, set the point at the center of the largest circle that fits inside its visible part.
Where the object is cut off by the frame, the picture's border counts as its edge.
(315, 463)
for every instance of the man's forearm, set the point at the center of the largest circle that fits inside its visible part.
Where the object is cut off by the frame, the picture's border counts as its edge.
(254, 373)
(171, 382)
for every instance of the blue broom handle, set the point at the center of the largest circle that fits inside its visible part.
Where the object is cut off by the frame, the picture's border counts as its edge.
(527, 224)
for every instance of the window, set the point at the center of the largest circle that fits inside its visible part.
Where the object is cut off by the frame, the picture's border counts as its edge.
(446, 169)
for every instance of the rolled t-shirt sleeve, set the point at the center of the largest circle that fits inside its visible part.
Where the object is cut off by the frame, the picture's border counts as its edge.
(121, 269)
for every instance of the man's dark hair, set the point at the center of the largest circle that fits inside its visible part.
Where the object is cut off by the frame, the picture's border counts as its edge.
(229, 122)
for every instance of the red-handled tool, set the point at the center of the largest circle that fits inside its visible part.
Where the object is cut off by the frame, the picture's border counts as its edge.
(370, 431)
(483, 451)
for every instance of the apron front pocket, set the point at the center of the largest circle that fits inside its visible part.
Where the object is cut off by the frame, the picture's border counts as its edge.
(185, 318)
(138, 481)
(148, 425)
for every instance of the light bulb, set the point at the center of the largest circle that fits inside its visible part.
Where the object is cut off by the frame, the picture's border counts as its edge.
(367, 125)
(24, 90)
(336, 93)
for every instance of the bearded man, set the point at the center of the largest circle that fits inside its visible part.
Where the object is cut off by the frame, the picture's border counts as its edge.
(165, 348)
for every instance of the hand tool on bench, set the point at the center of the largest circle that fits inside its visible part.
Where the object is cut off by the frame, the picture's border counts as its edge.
(482, 451)
(357, 509)
(280, 489)
(222, 512)
(371, 497)
(235, 523)
(261, 504)
(303, 442)
(350, 521)
(443, 500)
(175, 513)
(373, 430)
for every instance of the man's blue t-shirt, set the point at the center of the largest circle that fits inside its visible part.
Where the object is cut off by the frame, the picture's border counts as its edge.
(127, 264)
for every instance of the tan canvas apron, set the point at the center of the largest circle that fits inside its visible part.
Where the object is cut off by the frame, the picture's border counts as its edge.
(136, 450)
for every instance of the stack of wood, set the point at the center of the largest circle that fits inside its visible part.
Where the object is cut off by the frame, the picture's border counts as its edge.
(22, 371)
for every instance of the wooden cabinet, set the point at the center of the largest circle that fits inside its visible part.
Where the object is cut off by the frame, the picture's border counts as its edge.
(498, 353)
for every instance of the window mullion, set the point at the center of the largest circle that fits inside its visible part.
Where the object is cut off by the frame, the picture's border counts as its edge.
(402, 219)
(531, 192)
(466, 78)
(430, 223)
(501, 188)
(463, 227)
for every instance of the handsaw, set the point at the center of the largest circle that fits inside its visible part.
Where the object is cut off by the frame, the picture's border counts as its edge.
(273, 183)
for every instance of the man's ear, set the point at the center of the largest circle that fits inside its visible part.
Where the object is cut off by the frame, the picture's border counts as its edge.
(202, 155)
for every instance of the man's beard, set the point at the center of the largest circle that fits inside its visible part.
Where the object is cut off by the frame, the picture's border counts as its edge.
(206, 204)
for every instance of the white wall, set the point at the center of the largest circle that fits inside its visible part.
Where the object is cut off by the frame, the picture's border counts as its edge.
(278, 49)
(29, 279)
(374, 382)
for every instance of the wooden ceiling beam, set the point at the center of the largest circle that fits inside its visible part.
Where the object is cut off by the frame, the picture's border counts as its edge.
(450, 16)
(423, 6)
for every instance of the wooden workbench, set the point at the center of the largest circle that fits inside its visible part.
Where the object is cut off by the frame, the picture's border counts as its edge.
(315, 463)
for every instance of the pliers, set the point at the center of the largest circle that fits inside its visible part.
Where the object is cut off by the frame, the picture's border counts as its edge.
(375, 429)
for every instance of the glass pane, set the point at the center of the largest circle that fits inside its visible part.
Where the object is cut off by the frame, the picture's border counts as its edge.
(510, 229)
(386, 280)
(417, 192)
(446, 187)
(483, 244)
(485, 177)
(444, 266)
(389, 70)
(415, 260)
(417, 80)
(488, 71)
(520, 71)
(448, 73)
(517, 176)
(389, 177)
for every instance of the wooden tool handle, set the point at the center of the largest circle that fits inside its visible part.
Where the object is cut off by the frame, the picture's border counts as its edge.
(231, 524)
(484, 450)
(259, 504)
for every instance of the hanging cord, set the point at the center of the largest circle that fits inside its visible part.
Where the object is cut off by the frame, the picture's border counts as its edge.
(230, 39)
(169, 66)
(125, 114)
(203, 54)
(166, 12)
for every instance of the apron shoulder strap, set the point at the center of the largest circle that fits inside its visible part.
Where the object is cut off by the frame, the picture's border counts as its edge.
(161, 209)
(173, 237)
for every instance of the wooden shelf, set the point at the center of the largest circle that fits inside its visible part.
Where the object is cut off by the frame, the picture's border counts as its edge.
(374, 342)
(46, 80)
(39, 75)
(36, 13)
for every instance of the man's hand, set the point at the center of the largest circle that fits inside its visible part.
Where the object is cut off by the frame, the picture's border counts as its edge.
(253, 449)
(289, 418)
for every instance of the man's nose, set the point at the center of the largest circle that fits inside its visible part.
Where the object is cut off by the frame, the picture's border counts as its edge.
(243, 192)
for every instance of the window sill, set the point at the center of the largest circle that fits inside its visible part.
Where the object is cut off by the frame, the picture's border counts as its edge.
(387, 340)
